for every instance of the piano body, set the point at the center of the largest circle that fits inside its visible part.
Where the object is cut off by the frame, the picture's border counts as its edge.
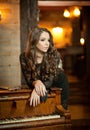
(17, 114)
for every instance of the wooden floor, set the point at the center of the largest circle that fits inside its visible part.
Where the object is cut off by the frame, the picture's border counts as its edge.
(79, 104)
(80, 116)
(79, 111)
(82, 124)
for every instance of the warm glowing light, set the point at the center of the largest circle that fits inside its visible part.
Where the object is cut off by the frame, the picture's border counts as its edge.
(66, 13)
(57, 30)
(58, 36)
(0, 15)
(72, 12)
(76, 12)
(82, 41)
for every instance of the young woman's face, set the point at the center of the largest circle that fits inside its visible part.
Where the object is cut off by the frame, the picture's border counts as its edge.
(44, 42)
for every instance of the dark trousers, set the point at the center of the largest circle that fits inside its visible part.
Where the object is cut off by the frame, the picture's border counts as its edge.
(62, 82)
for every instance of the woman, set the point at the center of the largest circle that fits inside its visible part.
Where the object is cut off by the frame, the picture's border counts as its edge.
(42, 67)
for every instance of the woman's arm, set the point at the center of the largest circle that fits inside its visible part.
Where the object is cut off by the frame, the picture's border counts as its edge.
(49, 83)
(37, 84)
(26, 72)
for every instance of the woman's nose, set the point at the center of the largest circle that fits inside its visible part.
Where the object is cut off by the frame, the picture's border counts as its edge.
(47, 42)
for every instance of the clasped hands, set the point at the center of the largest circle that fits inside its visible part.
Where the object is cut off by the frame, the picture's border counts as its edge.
(38, 91)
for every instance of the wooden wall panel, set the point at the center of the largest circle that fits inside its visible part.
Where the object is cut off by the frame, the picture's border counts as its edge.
(10, 43)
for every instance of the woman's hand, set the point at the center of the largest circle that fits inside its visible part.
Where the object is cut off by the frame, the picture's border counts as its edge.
(34, 99)
(40, 87)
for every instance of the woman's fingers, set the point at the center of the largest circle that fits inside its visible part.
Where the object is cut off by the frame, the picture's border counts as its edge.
(43, 91)
(39, 87)
(34, 99)
(35, 102)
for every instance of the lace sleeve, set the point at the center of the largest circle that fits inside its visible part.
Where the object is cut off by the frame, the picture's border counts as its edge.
(26, 70)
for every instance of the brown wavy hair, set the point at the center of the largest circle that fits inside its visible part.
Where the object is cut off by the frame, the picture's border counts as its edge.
(51, 58)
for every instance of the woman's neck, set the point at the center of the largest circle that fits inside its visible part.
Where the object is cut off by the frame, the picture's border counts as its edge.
(39, 57)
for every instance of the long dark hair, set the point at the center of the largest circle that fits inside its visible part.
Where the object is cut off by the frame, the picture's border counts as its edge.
(51, 58)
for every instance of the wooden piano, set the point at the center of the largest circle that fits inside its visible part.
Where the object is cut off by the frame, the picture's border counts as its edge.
(17, 114)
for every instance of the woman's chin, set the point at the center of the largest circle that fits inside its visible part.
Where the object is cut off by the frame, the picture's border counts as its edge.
(45, 50)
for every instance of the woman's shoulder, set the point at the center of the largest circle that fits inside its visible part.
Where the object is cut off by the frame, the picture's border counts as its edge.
(22, 56)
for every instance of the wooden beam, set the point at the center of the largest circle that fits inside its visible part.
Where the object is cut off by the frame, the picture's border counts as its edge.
(63, 3)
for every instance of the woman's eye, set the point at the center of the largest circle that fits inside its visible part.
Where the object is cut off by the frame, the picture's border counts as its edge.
(42, 39)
